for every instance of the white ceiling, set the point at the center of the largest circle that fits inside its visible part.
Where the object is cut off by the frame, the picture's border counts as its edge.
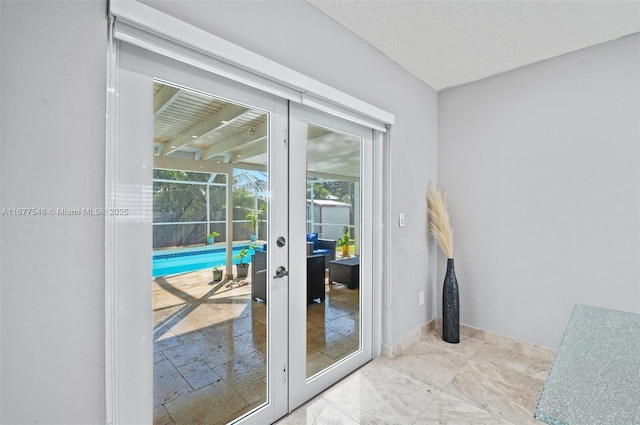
(448, 43)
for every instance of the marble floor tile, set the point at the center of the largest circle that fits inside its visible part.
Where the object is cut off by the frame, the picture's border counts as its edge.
(515, 360)
(317, 412)
(449, 410)
(427, 364)
(466, 331)
(467, 346)
(515, 345)
(500, 390)
(378, 394)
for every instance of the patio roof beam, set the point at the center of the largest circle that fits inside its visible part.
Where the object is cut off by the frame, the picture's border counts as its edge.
(164, 98)
(185, 164)
(248, 166)
(247, 137)
(252, 150)
(332, 177)
(216, 121)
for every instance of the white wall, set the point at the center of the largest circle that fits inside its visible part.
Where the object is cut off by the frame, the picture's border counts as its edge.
(542, 168)
(52, 155)
(52, 267)
(301, 37)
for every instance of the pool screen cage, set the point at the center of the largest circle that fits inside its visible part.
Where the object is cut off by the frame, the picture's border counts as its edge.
(188, 206)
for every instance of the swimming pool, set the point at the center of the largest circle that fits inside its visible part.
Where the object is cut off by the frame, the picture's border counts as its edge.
(192, 259)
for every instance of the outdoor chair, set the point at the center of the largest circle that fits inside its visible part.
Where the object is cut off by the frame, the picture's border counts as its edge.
(324, 247)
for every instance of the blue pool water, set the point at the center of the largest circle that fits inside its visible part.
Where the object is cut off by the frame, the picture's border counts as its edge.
(192, 259)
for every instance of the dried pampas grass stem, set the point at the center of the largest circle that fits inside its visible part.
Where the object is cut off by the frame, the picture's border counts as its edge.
(439, 220)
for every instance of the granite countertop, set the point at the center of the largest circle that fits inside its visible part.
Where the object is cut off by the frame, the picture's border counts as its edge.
(595, 377)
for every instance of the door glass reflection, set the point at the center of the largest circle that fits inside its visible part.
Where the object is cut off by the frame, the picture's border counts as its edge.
(333, 247)
(210, 209)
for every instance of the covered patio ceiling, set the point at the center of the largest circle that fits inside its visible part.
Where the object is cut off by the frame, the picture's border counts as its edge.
(197, 129)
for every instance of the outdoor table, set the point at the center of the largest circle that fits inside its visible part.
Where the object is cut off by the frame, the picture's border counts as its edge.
(346, 271)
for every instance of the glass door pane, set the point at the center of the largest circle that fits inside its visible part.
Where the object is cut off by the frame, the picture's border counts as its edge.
(333, 247)
(330, 260)
(211, 294)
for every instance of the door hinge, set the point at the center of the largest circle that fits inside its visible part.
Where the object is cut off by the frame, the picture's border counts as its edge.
(284, 374)
(285, 138)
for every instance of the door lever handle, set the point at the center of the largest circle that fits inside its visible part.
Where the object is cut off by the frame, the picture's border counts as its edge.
(281, 271)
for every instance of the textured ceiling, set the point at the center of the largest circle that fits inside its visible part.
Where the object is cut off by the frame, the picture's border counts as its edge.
(448, 43)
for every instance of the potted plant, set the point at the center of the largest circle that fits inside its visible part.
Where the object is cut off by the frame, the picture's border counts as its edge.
(211, 237)
(255, 220)
(242, 267)
(217, 274)
(344, 241)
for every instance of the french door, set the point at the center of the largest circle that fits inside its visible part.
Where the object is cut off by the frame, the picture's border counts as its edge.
(310, 323)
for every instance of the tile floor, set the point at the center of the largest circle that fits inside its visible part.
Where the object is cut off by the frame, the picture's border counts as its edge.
(484, 380)
(210, 346)
(209, 365)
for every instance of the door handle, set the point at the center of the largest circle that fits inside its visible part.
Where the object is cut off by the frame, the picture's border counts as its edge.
(281, 271)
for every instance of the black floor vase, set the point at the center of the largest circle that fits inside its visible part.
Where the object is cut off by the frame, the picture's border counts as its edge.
(450, 306)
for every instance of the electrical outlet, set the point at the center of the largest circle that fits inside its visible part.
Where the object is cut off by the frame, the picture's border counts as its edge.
(401, 219)
(421, 298)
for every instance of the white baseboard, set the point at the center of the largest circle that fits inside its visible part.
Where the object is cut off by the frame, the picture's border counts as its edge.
(408, 340)
(435, 325)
